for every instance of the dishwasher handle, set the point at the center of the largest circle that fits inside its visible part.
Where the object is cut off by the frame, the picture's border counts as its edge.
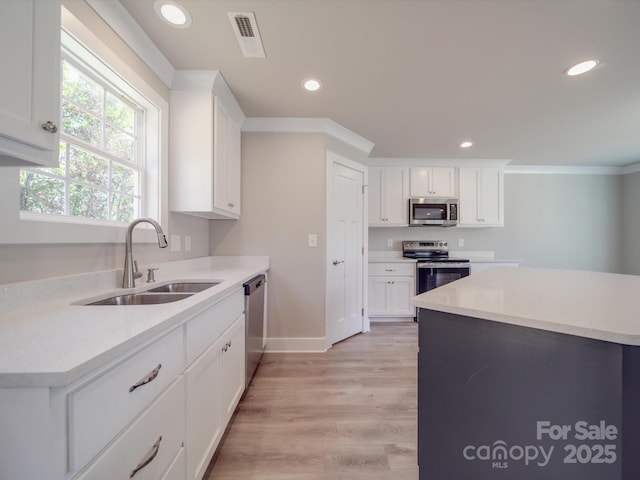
(254, 284)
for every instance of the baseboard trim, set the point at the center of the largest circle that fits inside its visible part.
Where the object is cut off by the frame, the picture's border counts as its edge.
(296, 345)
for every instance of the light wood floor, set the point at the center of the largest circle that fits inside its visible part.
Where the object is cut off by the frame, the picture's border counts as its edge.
(347, 414)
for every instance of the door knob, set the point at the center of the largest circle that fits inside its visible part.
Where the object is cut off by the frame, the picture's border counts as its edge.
(336, 262)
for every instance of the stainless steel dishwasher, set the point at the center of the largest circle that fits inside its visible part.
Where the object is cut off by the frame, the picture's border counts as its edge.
(254, 327)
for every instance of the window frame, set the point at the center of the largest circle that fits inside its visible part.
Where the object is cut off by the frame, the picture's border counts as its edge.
(138, 164)
(34, 228)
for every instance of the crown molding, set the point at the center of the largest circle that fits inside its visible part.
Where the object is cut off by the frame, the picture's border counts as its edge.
(118, 18)
(307, 125)
(436, 162)
(561, 170)
(631, 169)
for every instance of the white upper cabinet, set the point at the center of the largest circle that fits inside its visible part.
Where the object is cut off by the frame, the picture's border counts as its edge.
(388, 196)
(30, 82)
(433, 182)
(205, 152)
(481, 197)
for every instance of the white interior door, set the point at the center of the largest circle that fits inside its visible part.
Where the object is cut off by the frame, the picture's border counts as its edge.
(345, 252)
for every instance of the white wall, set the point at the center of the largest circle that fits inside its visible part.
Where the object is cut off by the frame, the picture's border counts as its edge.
(283, 200)
(554, 221)
(631, 224)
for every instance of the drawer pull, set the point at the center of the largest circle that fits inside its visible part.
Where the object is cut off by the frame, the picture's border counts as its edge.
(148, 457)
(149, 378)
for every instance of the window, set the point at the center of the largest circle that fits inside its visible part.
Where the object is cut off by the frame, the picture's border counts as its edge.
(101, 155)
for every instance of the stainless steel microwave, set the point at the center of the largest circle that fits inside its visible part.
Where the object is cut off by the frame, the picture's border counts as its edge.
(433, 211)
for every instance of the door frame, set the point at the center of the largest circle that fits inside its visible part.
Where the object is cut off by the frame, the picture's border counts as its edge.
(332, 159)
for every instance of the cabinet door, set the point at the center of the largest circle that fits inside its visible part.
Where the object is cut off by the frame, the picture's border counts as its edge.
(390, 296)
(375, 196)
(232, 368)
(204, 427)
(30, 82)
(226, 165)
(378, 298)
(443, 181)
(481, 197)
(433, 182)
(396, 196)
(234, 169)
(469, 179)
(402, 289)
(221, 158)
(491, 196)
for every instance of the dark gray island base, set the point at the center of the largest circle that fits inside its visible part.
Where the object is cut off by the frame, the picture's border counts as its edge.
(501, 401)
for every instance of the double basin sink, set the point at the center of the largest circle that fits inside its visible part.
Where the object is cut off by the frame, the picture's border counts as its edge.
(167, 293)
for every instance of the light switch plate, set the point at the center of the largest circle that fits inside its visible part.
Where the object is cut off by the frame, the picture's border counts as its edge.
(313, 240)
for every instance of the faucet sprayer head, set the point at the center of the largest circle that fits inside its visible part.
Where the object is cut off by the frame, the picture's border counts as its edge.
(162, 240)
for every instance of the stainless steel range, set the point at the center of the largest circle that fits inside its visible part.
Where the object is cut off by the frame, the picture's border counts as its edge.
(434, 266)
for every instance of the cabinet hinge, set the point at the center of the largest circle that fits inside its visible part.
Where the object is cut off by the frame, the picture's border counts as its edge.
(362, 312)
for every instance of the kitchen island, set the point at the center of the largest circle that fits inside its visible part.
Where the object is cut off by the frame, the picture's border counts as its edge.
(530, 374)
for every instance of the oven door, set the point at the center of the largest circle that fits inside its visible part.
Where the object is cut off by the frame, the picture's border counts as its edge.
(431, 275)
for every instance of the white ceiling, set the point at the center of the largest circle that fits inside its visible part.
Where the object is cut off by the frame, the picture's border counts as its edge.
(416, 77)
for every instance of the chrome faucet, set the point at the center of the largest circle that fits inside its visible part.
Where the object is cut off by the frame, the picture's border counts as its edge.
(130, 274)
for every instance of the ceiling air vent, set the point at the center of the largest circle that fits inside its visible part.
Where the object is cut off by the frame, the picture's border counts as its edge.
(245, 28)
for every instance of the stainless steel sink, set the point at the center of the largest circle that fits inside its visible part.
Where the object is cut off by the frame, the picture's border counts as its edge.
(187, 287)
(143, 298)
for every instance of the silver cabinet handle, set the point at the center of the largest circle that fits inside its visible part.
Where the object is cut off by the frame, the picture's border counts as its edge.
(149, 378)
(389, 269)
(230, 205)
(148, 457)
(50, 127)
(338, 262)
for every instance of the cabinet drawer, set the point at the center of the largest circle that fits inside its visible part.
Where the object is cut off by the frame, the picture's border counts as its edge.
(156, 436)
(392, 268)
(102, 408)
(206, 327)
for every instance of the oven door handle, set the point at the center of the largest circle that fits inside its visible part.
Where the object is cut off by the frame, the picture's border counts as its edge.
(442, 265)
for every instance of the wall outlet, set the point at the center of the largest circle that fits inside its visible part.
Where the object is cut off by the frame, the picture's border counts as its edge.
(389, 242)
(174, 243)
(313, 240)
(187, 243)
(461, 242)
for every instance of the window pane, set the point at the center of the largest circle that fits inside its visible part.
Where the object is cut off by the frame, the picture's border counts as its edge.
(81, 125)
(88, 202)
(88, 168)
(124, 179)
(40, 193)
(122, 208)
(120, 144)
(120, 114)
(81, 90)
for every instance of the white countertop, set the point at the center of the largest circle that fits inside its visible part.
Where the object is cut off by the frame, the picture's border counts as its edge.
(47, 340)
(595, 305)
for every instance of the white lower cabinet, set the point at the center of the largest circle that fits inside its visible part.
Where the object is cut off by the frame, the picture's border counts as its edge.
(147, 448)
(99, 409)
(391, 287)
(215, 383)
(156, 413)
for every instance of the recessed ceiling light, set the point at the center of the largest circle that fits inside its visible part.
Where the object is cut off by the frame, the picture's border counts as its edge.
(582, 67)
(172, 13)
(311, 85)
(466, 144)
